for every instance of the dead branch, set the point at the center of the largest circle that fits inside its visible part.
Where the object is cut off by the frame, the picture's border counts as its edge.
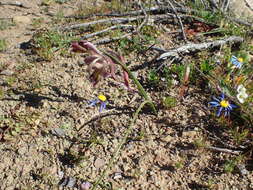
(213, 4)
(106, 30)
(179, 20)
(103, 21)
(188, 48)
(116, 21)
(145, 21)
(151, 10)
(108, 40)
(239, 21)
(236, 152)
(122, 20)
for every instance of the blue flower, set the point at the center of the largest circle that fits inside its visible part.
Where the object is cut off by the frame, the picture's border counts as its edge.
(223, 105)
(100, 99)
(236, 61)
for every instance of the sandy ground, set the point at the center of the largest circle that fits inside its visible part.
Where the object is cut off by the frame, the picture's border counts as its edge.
(56, 137)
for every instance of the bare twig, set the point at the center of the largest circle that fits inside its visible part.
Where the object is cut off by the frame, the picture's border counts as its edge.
(145, 21)
(179, 20)
(236, 152)
(248, 4)
(108, 40)
(214, 4)
(226, 6)
(167, 64)
(239, 21)
(106, 30)
(197, 47)
(103, 21)
(151, 10)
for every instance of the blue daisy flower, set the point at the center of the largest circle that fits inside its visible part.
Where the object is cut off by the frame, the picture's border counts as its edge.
(223, 105)
(236, 61)
(100, 99)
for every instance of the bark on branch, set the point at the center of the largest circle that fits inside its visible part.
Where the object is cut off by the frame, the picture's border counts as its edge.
(188, 48)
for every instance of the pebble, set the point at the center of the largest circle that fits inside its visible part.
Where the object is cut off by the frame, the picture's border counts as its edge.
(85, 186)
(99, 163)
(6, 72)
(58, 132)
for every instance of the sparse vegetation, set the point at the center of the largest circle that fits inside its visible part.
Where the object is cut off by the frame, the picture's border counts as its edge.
(138, 109)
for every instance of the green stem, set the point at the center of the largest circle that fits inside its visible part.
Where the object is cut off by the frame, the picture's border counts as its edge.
(138, 84)
(117, 151)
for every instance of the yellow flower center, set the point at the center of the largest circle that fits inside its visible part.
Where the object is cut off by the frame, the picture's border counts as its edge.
(102, 97)
(240, 59)
(224, 103)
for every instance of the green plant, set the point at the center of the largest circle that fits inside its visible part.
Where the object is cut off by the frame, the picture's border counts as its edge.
(200, 143)
(179, 164)
(5, 24)
(48, 42)
(1, 92)
(206, 67)
(153, 77)
(3, 45)
(169, 102)
(10, 80)
(239, 136)
(230, 165)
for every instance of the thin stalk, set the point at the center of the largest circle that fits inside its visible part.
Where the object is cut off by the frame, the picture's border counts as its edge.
(117, 151)
(137, 83)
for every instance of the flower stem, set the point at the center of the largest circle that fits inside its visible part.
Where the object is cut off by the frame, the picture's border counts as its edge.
(117, 151)
(135, 80)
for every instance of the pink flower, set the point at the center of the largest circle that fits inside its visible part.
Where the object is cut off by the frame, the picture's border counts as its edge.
(99, 65)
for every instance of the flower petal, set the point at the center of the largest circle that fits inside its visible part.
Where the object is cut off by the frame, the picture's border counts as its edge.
(219, 111)
(93, 102)
(214, 104)
(102, 106)
(90, 47)
(77, 48)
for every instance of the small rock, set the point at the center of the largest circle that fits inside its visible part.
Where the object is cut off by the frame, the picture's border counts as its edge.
(168, 138)
(22, 150)
(68, 182)
(190, 133)
(117, 175)
(242, 9)
(85, 186)
(243, 169)
(60, 174)
(99, 163)
(71, 182)
(81, 121)
(6, 72)
(21, 20)
(58, 132)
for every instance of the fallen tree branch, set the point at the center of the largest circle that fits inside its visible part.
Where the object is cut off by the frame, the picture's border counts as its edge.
(116, 21)
(198, 47)
(151, 10)
(122, 20)
(108, 40)
(179, 20)
(103, 21)
(239, 21)
(236, 152)
(106, 30)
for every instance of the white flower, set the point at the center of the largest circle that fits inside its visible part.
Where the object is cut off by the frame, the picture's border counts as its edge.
(242, 95)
